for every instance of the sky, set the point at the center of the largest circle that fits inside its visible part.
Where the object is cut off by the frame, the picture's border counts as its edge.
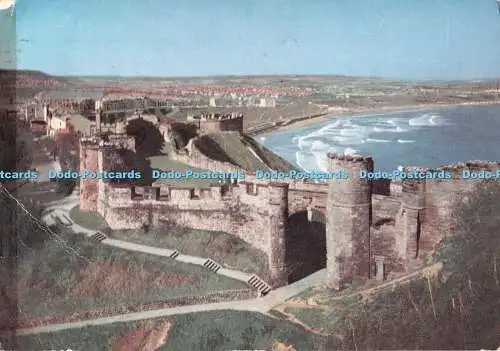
(403, 39)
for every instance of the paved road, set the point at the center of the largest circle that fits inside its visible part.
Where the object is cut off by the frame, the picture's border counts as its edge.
(261, 305)
(44, 168)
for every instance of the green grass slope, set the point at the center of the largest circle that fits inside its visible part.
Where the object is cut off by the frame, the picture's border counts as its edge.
(76, 274)
(235, 148)
(206, 331)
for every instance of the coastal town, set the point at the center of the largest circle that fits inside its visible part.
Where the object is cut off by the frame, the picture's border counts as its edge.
(267, 102)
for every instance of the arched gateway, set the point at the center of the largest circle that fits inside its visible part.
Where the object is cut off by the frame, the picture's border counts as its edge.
(294, 222)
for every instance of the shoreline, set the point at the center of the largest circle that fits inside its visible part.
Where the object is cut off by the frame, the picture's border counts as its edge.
(300, 122)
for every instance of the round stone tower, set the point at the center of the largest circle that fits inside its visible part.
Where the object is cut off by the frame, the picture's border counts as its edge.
(349, 216)
(412, 192)
(412, 210)
(89, 188)
(278, 219)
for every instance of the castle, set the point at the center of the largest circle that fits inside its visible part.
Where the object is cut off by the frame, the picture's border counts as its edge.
(372, 228)
(215, 122)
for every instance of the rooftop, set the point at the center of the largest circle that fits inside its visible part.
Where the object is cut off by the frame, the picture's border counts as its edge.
(70, 95)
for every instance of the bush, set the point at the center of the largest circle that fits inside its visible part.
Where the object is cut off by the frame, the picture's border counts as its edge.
(459, 311)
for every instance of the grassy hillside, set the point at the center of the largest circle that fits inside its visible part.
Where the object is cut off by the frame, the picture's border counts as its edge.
(458, 309)
(207, 331)
(35, 75)
(67, 274)
(28, 83)
(236, 149)
(226, 249)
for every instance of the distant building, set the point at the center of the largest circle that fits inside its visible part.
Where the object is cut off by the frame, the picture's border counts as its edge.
(35, 112)
(110, 109)
(69, 124)
(57, 125)
(212, 102)
(267, 102)
(29, 112)
(219, 102)
(216, 122)
(38, 128)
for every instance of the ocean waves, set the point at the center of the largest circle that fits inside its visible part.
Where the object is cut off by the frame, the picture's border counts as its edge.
(352, 135)
(427, 120)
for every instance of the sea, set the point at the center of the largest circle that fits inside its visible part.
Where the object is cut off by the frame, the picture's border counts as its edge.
(425, 138)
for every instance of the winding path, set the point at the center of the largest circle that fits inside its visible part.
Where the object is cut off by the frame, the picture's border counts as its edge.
(62, 210)
(261, 305)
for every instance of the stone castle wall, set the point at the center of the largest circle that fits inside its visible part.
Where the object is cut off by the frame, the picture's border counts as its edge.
(212, 125)
(277, 217)
(240, 210)
(411, 218)
(91, 159)
(441, 196)
(89, 154)
(196, 159)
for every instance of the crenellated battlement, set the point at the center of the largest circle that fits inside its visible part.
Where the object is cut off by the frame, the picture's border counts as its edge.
(108, 141)
(117, 193)
(456, 169)
(476, 165)
(216, 122)
(245, 192)
(278, 194)
(411, 216)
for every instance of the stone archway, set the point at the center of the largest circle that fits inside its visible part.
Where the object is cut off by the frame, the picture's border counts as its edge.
(305, 244)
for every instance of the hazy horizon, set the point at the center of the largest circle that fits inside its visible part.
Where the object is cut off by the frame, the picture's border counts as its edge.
(384, 39)
(221, 76)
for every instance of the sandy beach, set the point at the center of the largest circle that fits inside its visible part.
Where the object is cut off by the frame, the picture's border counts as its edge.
(332, 114)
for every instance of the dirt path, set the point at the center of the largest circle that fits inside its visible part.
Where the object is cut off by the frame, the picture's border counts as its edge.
(294, 320)
(430, 271)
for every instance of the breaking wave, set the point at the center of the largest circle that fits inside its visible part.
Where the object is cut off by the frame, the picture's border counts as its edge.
(370, 140)
(427, 119)
(350, 151)
(389, 130)
(353, 135)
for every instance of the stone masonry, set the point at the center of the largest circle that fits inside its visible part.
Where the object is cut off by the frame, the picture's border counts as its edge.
(278, 218)
(349, 215)
(89, 154)
(362, 228)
